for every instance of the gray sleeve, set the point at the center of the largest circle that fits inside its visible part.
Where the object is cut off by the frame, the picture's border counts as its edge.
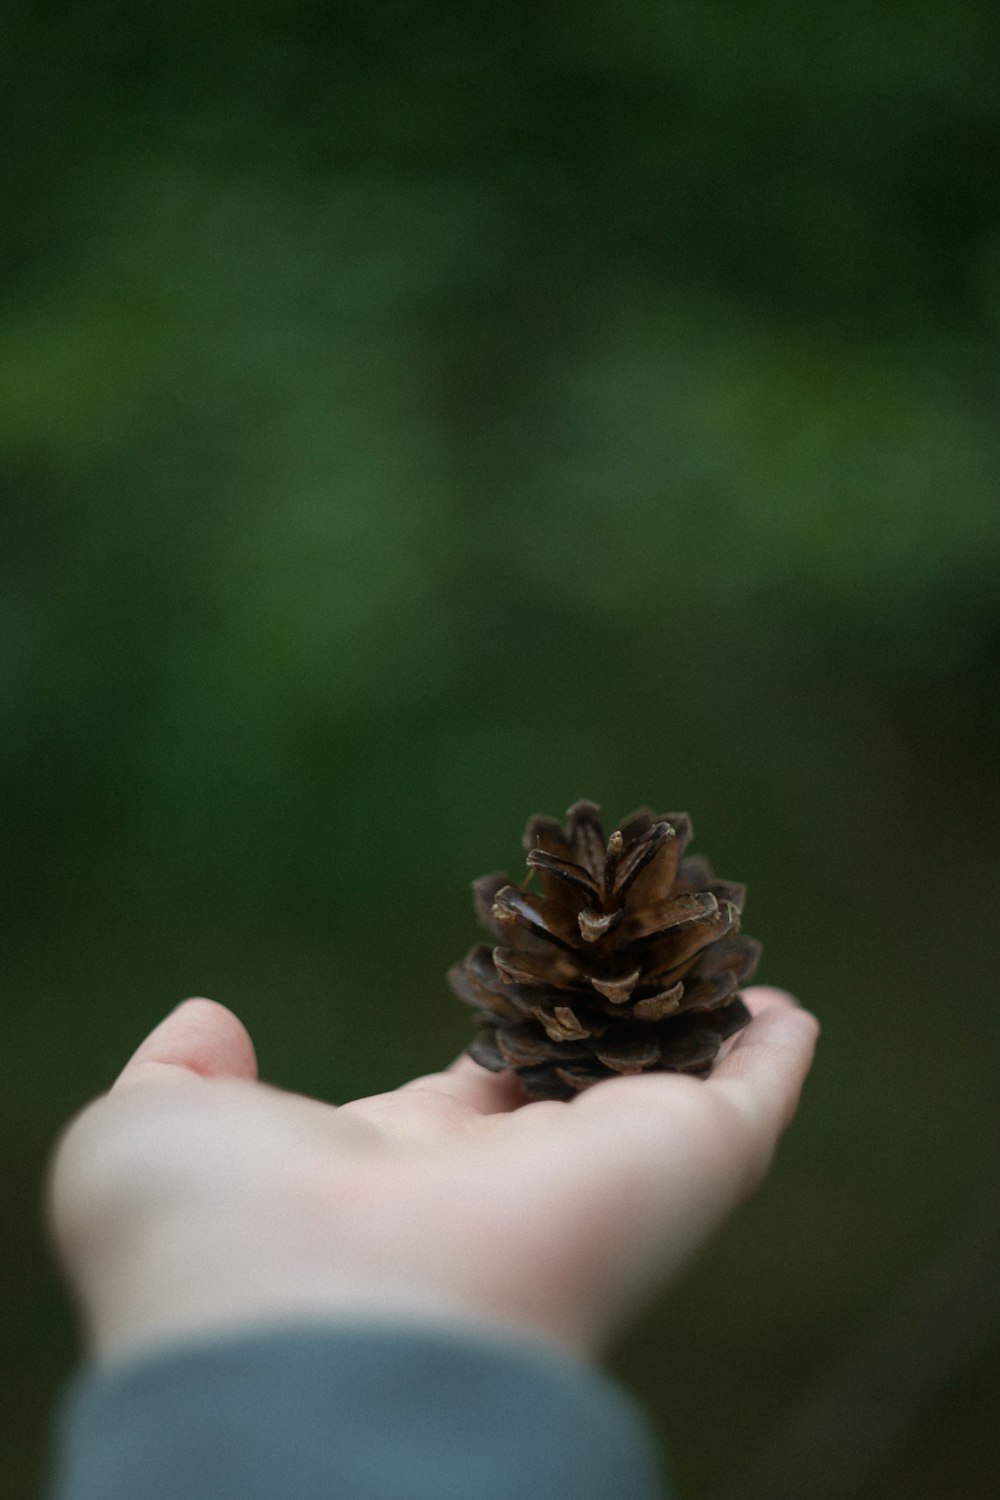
(352, 1413)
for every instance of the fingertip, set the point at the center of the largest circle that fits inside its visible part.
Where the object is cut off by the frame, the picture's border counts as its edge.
(767, 996)
(208, 1009)
(769, 1060)
(200, 1037)
(770, 1026)
(763, 997)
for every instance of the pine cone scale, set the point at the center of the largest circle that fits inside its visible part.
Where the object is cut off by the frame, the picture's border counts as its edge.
(586, 835)
(655, 1007)
(617, 991)
(563, 869)
(665, 916)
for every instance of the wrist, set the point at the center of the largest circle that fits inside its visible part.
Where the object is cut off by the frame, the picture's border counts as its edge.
(183, 1282)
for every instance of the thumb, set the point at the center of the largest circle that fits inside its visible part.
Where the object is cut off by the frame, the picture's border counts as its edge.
(199, 1038)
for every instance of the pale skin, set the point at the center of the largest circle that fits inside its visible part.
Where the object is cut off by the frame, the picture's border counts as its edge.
(193, 1200)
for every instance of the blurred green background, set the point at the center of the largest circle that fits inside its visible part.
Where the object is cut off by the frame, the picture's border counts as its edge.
(416, 416)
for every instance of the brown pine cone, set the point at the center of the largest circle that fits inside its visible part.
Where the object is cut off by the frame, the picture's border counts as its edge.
(627, 958)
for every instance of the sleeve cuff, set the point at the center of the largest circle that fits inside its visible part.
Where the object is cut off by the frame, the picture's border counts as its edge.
(353, 1413)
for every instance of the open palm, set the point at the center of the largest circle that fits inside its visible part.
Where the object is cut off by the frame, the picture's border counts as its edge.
(192, 1197)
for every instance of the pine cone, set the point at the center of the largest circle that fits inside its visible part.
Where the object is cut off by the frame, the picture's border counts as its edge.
(627, 958)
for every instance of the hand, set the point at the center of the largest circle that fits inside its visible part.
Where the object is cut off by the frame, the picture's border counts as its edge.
(193, 1199)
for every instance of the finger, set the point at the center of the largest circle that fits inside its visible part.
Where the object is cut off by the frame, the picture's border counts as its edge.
(767, 1065)
(761, 997)
(199, 1039)
(672, 1124)
(654, 1088)
(487, 1093)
